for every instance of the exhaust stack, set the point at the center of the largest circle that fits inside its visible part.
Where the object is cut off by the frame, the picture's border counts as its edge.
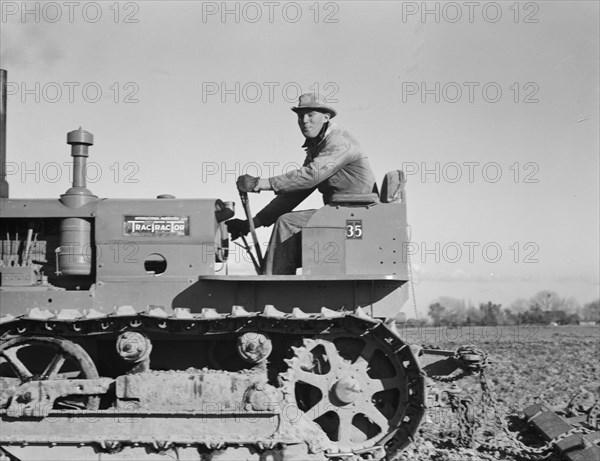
(3, 182)
(78, 194)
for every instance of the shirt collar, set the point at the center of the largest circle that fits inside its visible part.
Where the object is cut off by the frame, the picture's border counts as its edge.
(313, 142)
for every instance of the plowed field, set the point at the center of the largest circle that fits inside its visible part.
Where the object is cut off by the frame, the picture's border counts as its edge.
(527, 362)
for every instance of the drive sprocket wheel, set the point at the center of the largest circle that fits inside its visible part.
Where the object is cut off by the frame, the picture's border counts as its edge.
(353, 387)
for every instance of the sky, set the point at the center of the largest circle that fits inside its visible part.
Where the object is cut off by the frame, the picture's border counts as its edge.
(490, 108)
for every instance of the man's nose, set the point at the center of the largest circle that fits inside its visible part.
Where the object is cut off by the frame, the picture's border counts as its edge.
(305, 118)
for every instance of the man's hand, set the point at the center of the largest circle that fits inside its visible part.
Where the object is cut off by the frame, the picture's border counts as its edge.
(247, 183)
(237, 228)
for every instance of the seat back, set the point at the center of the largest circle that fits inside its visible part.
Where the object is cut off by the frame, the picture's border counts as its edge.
(392, 187)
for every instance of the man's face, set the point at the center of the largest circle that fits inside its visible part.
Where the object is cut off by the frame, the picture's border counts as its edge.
(311, 121)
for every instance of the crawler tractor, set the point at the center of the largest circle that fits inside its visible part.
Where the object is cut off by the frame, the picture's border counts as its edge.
(121, 340)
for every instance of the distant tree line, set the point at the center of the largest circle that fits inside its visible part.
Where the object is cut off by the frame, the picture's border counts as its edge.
(545, 307)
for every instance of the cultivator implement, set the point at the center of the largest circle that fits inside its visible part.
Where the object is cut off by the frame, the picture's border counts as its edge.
(574, 430)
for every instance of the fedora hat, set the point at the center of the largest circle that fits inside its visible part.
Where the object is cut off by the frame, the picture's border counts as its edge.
(313, 101)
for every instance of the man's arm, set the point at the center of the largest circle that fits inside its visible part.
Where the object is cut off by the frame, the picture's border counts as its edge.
(337, 152)
(293, 187)
(263, 184)
(280, 205)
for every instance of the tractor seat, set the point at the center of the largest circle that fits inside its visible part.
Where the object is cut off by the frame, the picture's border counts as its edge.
(392, 190)
(354, 199)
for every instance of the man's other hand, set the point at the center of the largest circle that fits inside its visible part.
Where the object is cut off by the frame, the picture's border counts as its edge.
(247, 183)
(237, 228)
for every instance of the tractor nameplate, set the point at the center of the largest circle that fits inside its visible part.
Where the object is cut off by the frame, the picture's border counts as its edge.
(156, 226)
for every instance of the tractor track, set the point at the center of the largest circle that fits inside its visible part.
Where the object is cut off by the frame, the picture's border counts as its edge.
(71, 325)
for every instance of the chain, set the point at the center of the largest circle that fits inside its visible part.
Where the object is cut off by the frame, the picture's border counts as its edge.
(466, 429)
(472, 358)
(475, 360)
(410, 273)
(412, 286)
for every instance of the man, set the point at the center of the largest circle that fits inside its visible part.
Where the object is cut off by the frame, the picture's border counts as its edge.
(334, 164)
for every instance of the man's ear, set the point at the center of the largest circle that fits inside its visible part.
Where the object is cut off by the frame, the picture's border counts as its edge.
(327, 116)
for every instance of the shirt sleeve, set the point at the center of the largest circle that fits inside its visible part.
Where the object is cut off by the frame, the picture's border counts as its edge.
(336, 153)
(282, 204)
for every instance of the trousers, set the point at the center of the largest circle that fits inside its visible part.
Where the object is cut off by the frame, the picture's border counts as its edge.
(284, 253)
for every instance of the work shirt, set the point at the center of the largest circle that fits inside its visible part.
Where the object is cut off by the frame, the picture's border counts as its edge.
(334, 164)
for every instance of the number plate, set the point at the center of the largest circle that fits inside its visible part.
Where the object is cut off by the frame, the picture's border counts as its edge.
(354, 229)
